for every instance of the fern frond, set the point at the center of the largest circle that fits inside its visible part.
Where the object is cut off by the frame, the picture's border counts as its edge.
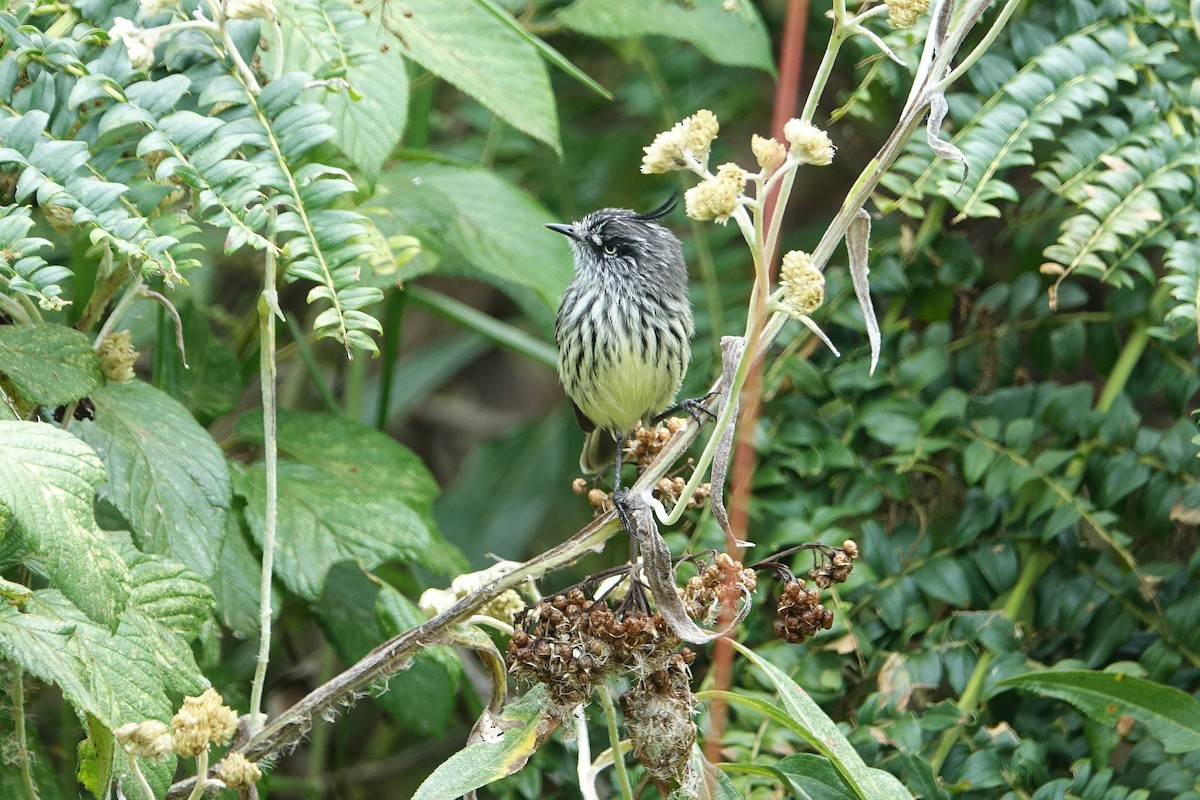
(1060, 84)
(1144, 185)
(1182, 261)
(56, 174)
(21, 266)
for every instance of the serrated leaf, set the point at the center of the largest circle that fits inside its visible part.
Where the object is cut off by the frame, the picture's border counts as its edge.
(328, 36)
(462, 43)
(481, 763)
(462, 202)
(237, 590)
(1171, 715)
(166, 475)
(49, 364)
(120, 677)
(48, 480)
(736, 38)
(346, 492)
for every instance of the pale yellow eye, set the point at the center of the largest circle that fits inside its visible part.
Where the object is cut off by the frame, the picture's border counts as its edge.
(610, 249)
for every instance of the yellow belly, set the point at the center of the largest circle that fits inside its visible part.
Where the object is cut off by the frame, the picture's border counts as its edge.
(628, 389)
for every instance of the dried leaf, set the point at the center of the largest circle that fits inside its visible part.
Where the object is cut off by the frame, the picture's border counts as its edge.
(858, 237)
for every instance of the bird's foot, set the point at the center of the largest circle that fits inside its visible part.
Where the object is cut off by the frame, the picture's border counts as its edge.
(624, 509)
(696, 407)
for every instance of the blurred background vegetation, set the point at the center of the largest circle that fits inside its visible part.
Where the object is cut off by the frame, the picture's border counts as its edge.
(1022, 480)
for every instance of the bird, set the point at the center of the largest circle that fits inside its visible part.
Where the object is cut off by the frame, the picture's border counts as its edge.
(623, 329)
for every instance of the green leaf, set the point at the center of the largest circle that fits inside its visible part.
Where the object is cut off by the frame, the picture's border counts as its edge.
(211, 383)
(736, 38)
(328, 38)
(481, 763)
(123, 676)
(49, 364)
(1169, 714)
(236, 591)
(95, 758)
(463, 43)
(813, 778)
(512, 246)
(358, 612)
(48, 480)
(946, 579)
(166, 475)
(824, 736)
(346, 492)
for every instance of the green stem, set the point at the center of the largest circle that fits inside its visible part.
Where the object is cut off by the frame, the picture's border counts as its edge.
(268, 307)
(499, 332)
(24, 761)
(201, 776)
(836, 37)
(140, 776)
(614, 740)
(984, 44)
(1118, 377)
(1035, 562)
(392, 318)
(310, 364)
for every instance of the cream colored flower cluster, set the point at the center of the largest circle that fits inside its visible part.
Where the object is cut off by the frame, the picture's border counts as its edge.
(802, 283)
(688, 144)
(685, 144)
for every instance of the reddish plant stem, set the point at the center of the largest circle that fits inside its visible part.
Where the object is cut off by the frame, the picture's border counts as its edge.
(787, 93)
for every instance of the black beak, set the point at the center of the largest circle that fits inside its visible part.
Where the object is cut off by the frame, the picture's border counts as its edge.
(565, 230)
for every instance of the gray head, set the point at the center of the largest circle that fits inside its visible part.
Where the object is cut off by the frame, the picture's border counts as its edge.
(617, 242)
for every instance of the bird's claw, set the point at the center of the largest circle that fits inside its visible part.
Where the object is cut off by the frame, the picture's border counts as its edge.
(697, 410)
(624, 509)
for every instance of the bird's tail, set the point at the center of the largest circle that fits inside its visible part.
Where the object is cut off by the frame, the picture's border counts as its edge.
(599, 451)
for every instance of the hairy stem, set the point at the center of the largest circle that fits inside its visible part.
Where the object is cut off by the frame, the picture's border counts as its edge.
(140, 777)
(22, 754)
(268, 307)
(201, 776)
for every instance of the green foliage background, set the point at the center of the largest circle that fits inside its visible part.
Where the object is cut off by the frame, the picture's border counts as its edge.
(1022, 481)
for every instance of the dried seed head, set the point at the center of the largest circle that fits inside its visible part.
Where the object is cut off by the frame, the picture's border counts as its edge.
(658, 717)
(801, 614)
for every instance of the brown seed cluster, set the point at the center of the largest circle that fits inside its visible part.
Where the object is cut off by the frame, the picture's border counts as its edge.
(571, 643)
(801, 614)
(800, 611)
(658, 713)
(837, 568)
(719, 584)
(646, 443)
(669, 490)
